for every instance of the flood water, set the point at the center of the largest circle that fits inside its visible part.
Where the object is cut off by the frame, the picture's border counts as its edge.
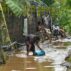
(55, 55)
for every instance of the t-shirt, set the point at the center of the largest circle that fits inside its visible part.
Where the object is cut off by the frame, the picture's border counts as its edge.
(32, 39)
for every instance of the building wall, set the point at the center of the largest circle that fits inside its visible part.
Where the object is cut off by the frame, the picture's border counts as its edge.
(16, 25)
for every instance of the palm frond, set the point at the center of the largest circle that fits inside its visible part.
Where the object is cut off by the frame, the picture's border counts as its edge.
(18, 7)
(15, 7)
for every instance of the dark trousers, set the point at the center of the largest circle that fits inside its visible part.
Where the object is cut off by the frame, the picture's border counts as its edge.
(32, 48)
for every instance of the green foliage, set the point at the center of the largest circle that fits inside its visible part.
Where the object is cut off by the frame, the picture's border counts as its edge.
(61, 14)
(67, 43)
(48, 2)
(68, 3)
(20, 7)
(60, 10)
(68, 59)
(14, 6)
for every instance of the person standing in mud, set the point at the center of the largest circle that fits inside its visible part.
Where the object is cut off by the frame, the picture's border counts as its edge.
(44, 32)
(56, 29)
(31, 40)
(47, 20)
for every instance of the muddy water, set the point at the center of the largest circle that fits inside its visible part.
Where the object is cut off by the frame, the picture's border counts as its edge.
(62, 43)
(26, 64)
(50, 62)
(56, 54)
(56, 57)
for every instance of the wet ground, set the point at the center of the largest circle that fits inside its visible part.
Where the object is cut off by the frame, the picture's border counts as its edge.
(20, 62)
(25, 64)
